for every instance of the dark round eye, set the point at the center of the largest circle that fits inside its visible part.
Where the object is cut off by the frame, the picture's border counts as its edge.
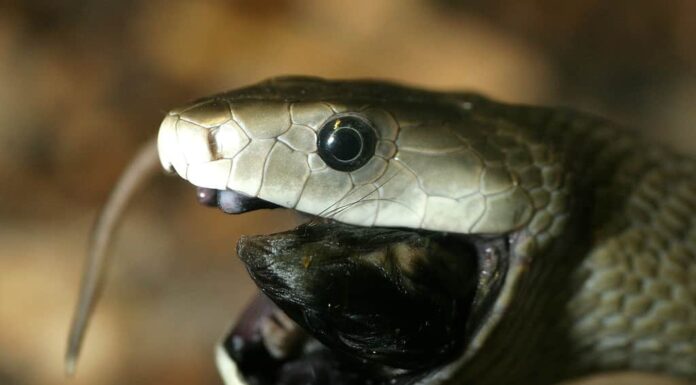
(346, 143)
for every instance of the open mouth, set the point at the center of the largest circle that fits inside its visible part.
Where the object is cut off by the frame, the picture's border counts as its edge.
(342, 304)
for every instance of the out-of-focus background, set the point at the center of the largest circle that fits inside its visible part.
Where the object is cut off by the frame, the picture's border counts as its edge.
(84, 82)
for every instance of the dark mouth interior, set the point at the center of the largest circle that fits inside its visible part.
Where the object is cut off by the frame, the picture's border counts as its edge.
(344, 305)
(271, 351)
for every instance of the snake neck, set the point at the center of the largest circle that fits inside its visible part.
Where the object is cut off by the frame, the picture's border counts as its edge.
(632, 302)
(633, 305)
(617, 289)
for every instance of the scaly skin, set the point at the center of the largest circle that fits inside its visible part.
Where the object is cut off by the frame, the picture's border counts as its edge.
(618, 291)
(602, 225)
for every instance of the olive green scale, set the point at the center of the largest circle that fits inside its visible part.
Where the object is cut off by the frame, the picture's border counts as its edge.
(616, 289)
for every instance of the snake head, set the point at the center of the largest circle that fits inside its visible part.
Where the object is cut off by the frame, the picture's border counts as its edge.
(364, 153)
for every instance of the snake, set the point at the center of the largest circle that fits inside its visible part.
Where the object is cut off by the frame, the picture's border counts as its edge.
(448, 238)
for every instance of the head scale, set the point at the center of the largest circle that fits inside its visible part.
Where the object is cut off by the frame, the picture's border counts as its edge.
(364, 153)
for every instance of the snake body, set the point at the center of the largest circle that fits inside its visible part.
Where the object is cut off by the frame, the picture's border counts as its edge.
(600, 225)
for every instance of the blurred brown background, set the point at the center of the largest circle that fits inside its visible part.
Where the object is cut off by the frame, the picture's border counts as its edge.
(84, 82)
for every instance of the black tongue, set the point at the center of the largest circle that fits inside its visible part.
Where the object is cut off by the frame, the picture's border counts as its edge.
(230, 201)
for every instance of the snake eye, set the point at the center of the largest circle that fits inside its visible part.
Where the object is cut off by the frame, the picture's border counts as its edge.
(346, 143)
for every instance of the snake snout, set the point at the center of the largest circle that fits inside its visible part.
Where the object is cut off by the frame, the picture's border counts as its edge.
(199, 142)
